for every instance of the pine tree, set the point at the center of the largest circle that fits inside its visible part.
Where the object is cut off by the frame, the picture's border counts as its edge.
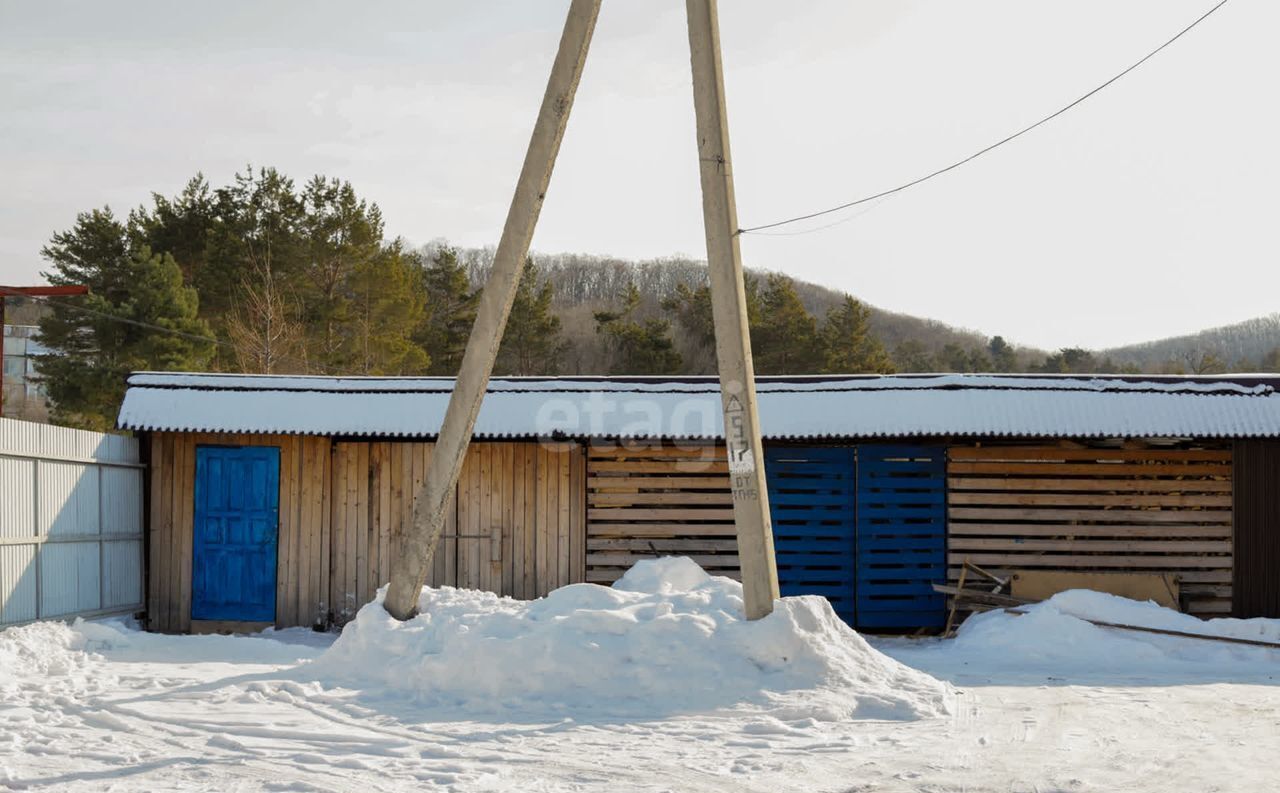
(911, 356)
(181, 227)
(1003, 357)
(450, 312)
(531, 344)
(692, 310)
(256, 237)
(637, 347)
(101, 337)
(387, 305)
(847, 343)
(786, 340)
(343, 242)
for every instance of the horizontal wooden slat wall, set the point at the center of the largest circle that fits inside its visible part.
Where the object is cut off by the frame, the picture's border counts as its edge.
(1141, 510)
(645, 501)
(302, 572)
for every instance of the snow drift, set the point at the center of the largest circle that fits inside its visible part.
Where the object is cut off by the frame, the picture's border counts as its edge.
(664, 640)
(1054, 637)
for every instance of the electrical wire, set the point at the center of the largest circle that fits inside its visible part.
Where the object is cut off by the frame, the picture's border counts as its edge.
(980, 152)
(136, 323)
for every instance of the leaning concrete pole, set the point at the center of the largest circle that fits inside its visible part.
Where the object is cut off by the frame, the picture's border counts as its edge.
(415, 545)
(729, 311)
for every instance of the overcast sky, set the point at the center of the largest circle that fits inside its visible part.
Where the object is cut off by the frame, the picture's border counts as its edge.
(1150, 210)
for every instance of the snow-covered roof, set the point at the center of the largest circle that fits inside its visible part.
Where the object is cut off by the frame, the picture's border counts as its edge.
(843, 406)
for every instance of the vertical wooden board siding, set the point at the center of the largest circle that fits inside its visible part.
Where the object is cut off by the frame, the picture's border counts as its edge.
(338, 528)
(161, 568)
(450, 544)
(368, 571)
(318, 599)
(464, 512)
(476, 529)
(507, 528)
(563, 462)
(153, 527)
(468, 518)
(307, 527)
(361, 571)
(283, 545)
(350, 533)
(484, 529)
(286, 550)
(1256, 499)
(540, 545)
(577, 524)
(414, 460)
(1053, 508)
(186, 522)
(355, 505)
(385, 518)
(529, 522)
(649, 500)
(517, 520)
(491, 494)
(326, 536)
(172, 571)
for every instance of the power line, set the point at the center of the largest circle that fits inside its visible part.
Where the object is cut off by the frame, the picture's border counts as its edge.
(4, 292)
(117, 318)
(980, 152)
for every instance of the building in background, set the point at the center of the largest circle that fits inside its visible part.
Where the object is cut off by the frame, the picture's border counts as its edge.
(24, 397)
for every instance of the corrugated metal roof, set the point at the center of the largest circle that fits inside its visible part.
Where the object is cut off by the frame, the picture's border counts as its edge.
(854, 406)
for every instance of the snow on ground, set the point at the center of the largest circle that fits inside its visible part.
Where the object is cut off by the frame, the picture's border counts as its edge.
(480, 693)
(666, 640)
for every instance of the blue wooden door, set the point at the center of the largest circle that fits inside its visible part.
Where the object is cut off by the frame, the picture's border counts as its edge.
(233, 566)
(901, 536)
(811, 506)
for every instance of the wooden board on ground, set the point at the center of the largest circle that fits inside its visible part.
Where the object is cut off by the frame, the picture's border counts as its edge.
(1044, 584)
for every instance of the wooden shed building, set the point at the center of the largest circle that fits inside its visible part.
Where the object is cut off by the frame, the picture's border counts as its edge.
(272, 499)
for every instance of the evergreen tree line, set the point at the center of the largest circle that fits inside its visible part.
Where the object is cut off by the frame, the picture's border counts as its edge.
(262, 275)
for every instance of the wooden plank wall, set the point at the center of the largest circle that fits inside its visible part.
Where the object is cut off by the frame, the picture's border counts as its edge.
(517, 529)
(302, 576)
(514, 529)
(1141, 510)
(650, 500)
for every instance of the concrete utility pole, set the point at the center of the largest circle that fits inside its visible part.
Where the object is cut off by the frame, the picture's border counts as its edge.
(414, 548)
(729, 310)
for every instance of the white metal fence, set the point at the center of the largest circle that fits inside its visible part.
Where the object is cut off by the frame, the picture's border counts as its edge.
(70, 523)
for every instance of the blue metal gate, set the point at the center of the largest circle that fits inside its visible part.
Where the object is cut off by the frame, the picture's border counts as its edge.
(901, 536)
(236, 530)
(811, 506)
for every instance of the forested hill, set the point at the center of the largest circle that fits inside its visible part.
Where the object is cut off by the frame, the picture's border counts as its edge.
(267, 275)
(583, 284)
(1253, 345)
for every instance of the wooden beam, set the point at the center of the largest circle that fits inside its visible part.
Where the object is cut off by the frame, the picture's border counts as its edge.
(415, 544)
(729, 312)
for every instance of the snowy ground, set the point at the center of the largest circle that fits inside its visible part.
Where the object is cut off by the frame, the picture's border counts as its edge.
(1037, 703)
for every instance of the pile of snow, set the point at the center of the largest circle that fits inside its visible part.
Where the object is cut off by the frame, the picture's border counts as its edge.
(1054, 637)
(666, 639)
(44, 649)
